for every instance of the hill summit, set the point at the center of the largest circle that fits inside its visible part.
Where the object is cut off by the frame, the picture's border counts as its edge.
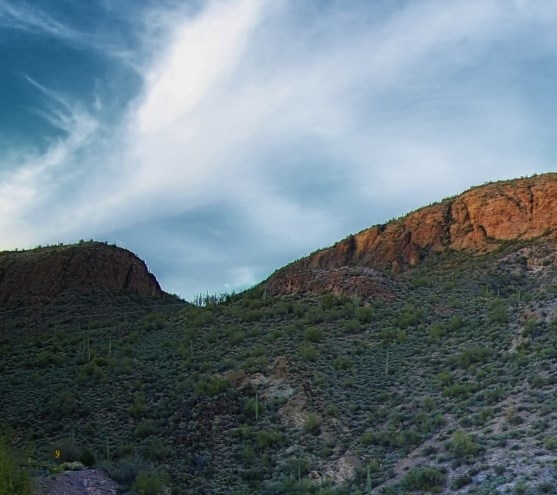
(42, 287)
(49, 272)
(478, 220)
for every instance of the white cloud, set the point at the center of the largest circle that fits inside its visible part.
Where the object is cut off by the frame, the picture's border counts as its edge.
(410, 109)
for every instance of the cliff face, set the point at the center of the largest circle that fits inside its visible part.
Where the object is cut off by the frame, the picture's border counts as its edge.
(45, 273)
(478, 220)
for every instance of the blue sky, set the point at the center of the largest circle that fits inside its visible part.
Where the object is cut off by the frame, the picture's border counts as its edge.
(221, 139)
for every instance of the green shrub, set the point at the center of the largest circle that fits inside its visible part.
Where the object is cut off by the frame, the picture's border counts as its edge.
(463, 445)
(472, 356)
(461, 481)
(313, 424)
(342, 363)
(436, 332)
(445, 378)
(143, 429)
(513, 418)
(427, 479)
(461, 390)
(137, 409)
(537, 381)
(87, 458)
(367, 438)
(313, 334)
(13, 480)
(253, 315)
(328, 301)
(308, 352)
(124, 450)
(46, 358)
(351, 326)
(265, 439)
(211, 386)
(157, 449)
(498, 312)
(315, 315)
(550, 443)
(364, 315)
(331, 410)
(149, 483)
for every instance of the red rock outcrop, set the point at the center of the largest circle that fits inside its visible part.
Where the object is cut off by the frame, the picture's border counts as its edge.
(478, 220)
(45, 273)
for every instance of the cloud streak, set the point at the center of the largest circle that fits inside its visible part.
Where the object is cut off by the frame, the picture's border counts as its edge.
(297, 129)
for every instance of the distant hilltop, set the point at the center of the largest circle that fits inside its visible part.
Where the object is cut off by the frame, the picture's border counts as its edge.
(46, 273)
(478, 220)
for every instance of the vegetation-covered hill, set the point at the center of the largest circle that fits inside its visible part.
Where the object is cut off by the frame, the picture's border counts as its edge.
(48, 286)
(448, 387)
(437, 377)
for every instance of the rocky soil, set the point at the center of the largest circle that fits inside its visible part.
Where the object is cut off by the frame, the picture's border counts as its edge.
(85, 482)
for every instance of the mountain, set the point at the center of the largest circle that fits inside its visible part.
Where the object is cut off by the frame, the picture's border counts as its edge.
(338, 375)
(477, 221)
(60, 282)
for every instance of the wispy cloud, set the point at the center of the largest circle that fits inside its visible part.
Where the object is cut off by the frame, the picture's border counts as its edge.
(300, 129)
(24, 17)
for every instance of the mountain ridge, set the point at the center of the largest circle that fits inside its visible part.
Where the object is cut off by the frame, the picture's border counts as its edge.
(479, 220)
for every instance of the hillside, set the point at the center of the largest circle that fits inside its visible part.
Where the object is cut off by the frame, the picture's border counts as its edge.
(45, 286)
(439, 379)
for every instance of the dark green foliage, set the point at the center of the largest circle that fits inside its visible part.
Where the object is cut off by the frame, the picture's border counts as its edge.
(13, 479)
(308, 352)
(210, 386)
(268, 439)
(342, 363)
(313, 424)
(87, 458)
(463, 445)
(427, 479)
(459, 390)
(157, 449)
(364, 315)
(435, 370)
(143, 429)
(473, 356)
(461, 481)
(313, 334)
(149, 483)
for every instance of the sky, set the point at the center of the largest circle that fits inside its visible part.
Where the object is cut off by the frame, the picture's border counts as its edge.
(222, 139)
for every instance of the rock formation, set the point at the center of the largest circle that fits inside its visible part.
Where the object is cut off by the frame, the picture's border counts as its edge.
(478, 220)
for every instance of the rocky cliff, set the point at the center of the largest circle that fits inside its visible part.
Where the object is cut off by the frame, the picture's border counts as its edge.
(43, 274)
(478, 220)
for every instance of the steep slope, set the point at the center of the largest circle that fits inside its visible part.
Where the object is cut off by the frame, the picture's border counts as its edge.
(479, 220)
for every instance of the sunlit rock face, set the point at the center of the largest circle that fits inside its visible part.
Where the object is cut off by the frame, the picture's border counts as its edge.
(478, 220)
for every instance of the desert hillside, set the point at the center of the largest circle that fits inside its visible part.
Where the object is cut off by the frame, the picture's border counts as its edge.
(338, 375)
